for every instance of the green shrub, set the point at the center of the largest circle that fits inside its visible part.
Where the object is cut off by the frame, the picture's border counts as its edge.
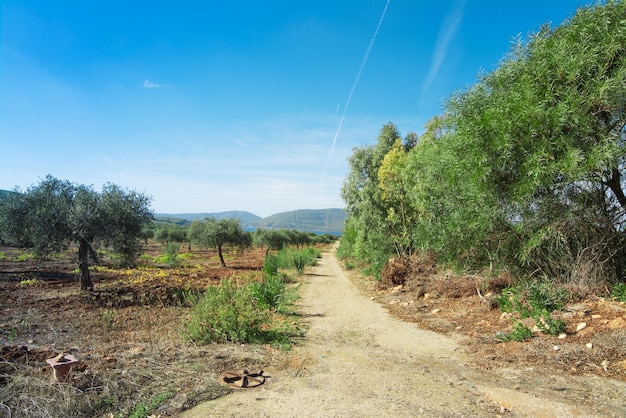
(227, 312)
(618, 292)
(548, 325)
(298, 259)
(270, 265)
(171, 254)
(284, 259)
(269, 292)
(536, 299)
(520, 333)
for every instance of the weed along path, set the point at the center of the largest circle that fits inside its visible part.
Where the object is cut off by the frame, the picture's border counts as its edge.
(358, 361)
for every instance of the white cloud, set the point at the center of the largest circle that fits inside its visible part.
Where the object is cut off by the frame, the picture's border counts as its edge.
(446, 34)
(150, 85)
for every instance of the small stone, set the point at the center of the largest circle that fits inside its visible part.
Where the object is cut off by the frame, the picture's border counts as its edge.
(556, 348)
(589, 345)
(581, 326)
(396, 290)
(596, 316)
(434, 311)
(605, 365)
(562, 336)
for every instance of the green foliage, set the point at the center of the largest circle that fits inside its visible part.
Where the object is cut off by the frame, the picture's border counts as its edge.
(520, 333)
(549, 325)
(297, 259)
(215, 233)
(240, 312)
(523, 171)
(171, 256)
(50, 216)
(618, 292)
(227, 312)
(144, 410)
(372, 241)
(536, 299)
(30, 282)
(270, 265)
(108, 317)
(533, 296)
(168, 233)
(269, 293)
(25, 257)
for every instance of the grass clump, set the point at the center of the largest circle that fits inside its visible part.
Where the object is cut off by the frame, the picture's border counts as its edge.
(30, 282)
(25, 257)
(170, 256)
(144, 410)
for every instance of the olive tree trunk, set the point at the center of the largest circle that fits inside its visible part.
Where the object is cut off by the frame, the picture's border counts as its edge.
(83, 265)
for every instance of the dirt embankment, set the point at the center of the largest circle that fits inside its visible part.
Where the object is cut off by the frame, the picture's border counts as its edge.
(358, 360)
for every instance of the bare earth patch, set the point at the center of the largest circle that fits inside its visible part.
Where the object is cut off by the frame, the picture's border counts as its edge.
(127, 336)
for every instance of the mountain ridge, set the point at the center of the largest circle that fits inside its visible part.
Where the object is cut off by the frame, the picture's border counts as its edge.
(310, 220)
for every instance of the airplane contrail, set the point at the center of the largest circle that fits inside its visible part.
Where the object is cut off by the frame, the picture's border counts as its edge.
(356, 80)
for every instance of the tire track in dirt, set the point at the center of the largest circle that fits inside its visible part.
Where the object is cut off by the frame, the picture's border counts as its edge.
(357, 360)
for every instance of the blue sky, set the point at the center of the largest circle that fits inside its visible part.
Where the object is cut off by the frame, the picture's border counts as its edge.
(220, 105)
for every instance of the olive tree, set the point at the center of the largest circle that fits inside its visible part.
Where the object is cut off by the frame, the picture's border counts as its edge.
(50, 216)
(214, 233)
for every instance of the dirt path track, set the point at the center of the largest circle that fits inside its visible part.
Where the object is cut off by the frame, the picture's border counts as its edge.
(359, 361)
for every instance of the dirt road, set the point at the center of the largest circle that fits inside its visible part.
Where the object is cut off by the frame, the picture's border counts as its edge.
(359, 361)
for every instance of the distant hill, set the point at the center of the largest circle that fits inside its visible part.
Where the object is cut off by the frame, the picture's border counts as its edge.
(4, 193)
(247, 219)
(323, 221)
(312, 220)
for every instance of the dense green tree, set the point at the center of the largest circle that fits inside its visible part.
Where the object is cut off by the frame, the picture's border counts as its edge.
(362, 195)
(166, 234)
(542, 139)
(523, 171)
(54, 213)
(400, 219)
(271, 239)
(214, 233)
